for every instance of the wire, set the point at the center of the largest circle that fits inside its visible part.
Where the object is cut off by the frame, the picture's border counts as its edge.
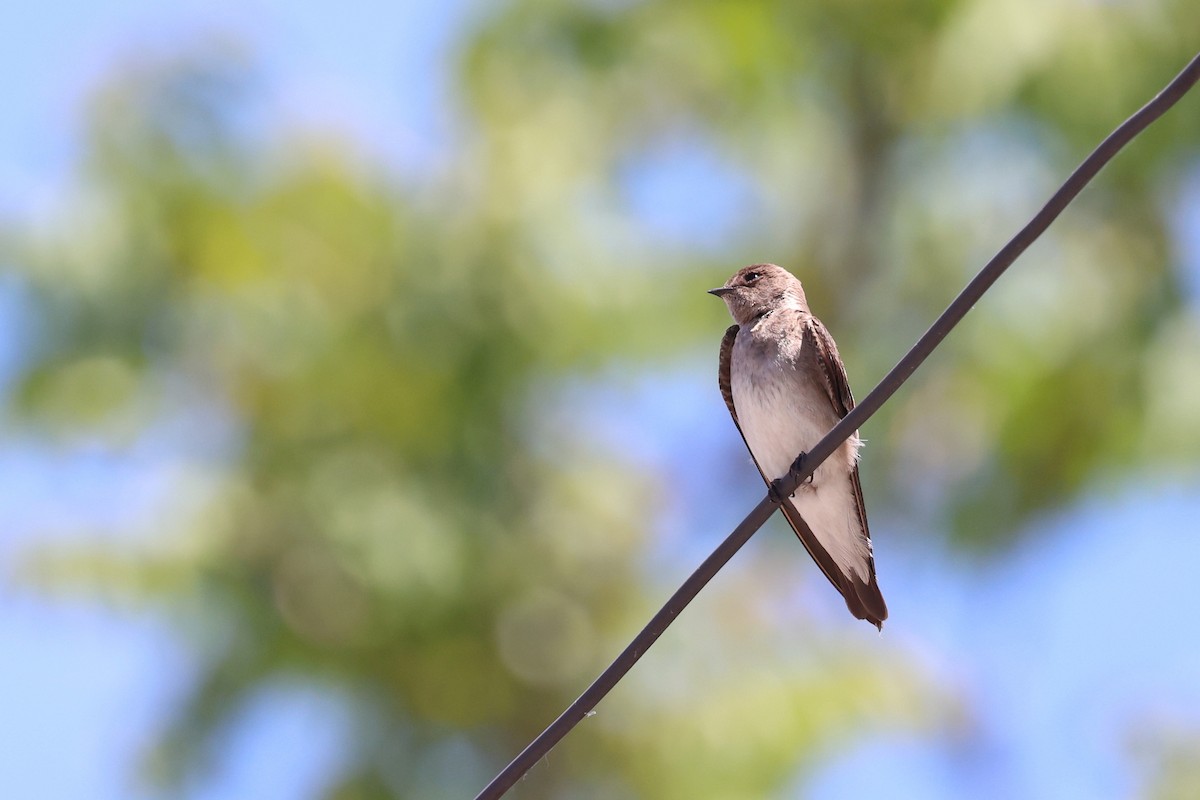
(900, 373)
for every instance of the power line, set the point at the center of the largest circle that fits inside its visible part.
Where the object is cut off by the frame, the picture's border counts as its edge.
(941, 327)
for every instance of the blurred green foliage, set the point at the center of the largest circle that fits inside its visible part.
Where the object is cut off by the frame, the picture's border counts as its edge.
(384, 516)
(1171, 753)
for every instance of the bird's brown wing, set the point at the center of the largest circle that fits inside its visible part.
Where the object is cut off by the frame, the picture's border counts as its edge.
(849, 585)
(838, 387)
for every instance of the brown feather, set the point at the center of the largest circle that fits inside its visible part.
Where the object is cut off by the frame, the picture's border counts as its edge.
(837, 383)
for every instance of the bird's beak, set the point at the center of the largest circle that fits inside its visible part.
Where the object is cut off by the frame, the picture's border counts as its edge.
(720, 291)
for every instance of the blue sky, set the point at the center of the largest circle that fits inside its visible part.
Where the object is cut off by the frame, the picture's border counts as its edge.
(375, 70)
(1063, 648)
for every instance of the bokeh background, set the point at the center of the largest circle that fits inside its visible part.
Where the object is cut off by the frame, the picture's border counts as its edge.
(359, 403)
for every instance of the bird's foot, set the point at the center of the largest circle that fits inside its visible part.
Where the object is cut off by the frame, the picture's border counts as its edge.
(775, 491)
(797, 469)
(775, 488)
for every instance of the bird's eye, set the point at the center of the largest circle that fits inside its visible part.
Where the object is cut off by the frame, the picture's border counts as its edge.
(751, 277)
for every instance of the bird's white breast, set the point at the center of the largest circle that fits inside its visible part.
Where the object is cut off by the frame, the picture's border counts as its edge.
(783, 412)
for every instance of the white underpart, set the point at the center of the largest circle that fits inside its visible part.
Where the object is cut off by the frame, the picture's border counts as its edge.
(782, 415)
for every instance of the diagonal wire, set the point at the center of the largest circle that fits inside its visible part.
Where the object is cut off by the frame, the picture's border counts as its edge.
(974, 290)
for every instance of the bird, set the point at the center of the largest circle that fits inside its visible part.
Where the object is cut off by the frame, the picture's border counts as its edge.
(784, 382)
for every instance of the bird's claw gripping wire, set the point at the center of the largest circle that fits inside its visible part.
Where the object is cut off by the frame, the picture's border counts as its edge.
(775, 487)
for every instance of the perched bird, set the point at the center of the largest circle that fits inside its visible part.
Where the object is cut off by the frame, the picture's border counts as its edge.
(786, 386)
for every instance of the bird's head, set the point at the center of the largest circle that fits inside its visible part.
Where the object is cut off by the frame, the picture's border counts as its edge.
(759, 289)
